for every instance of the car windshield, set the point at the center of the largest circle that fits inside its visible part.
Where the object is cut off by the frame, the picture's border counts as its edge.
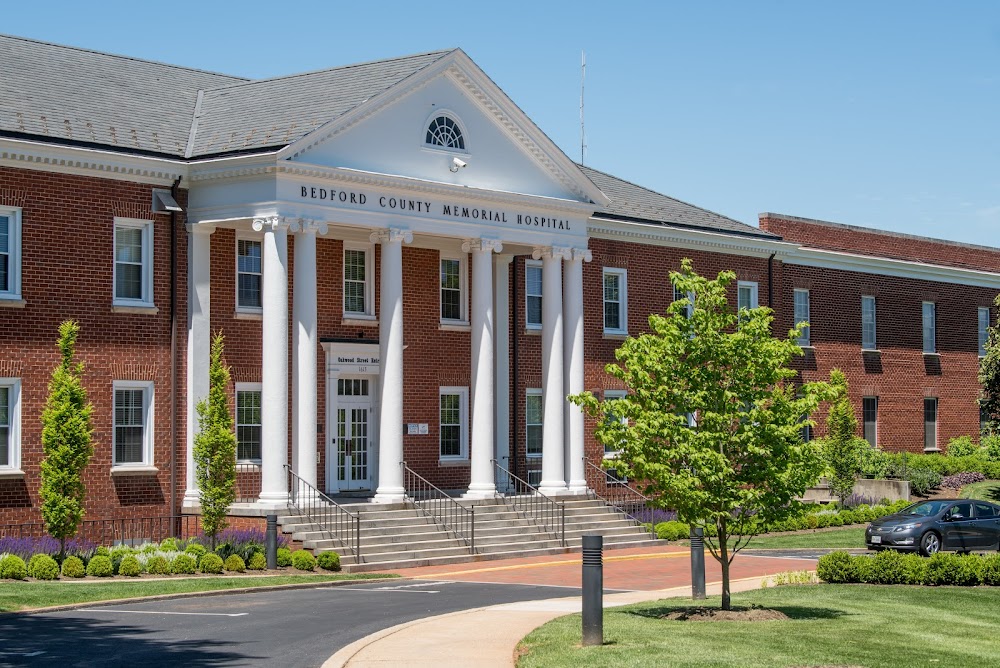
(925, 509)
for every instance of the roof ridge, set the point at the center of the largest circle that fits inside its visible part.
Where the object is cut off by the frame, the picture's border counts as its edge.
(118, 55)
(246, 82)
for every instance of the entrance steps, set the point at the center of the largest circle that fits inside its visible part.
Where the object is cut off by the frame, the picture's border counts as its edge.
(400, 535)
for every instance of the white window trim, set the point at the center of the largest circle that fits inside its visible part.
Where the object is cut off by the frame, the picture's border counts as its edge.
(149, 426)
(147, 262)
(874, 342)
(13, 293)
(245, 387)
(369, 251)
(463, 287)
(622, 275)
(754, 303)
(443, 149)
(531, 325)
(805, 340)
(13, 466)
(463, 413)
(243, 235)
(932, 349)
(532, 392)
(610, 395)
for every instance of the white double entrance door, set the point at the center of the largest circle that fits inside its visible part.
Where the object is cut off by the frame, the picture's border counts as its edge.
(351, 443)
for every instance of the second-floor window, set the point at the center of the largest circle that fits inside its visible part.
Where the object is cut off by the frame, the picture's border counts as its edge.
(929, 328)
(133, 262)
(358, 283)
(868, 323)
(533, 294)
(248, 274)
(802, 314)
(615, 302)
(984, 329)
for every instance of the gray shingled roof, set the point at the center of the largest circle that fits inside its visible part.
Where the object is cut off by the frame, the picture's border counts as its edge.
(632, 202)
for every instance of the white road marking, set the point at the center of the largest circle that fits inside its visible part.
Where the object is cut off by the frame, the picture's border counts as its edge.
(36, 653)
(163, 612)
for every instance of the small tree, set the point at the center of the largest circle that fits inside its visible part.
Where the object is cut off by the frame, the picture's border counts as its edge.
(842, 447)
(66, 442)
(710, 427)
(989, 378)
(215, 447)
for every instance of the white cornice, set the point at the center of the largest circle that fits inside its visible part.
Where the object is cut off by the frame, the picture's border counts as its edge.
(715, 242)
(89, 162)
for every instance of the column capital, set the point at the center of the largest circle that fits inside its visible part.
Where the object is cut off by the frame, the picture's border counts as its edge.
(199, 228)
(554, 252)
(580, 254)
(309, 226)
(483, 245)
(391, 235)
(272, 223)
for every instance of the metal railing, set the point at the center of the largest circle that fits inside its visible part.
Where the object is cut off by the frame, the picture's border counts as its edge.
(444, 510)
(528, 502)
(121, 531)
(617, 493)
(323, 511)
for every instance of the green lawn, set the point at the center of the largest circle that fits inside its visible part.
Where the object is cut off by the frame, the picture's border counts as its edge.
(848, 537)
(987, 490)
(830, 625)
(26, 595)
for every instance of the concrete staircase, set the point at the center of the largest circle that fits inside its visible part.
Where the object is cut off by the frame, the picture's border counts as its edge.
(397, 536)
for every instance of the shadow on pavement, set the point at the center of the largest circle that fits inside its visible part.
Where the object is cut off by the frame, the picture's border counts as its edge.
(792, 611)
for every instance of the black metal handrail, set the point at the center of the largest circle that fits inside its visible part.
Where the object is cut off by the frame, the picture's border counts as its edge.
(323, 511)
(527, 501)
(616, 492)
(444, 510)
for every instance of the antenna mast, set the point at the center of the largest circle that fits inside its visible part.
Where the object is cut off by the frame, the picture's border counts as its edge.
(583, 79)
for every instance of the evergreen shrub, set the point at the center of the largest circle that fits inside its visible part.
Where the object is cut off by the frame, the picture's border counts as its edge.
(329, 561)
(235, 564)
(284, 557)
(43, 567)
(303, 560)
(211, 563)
(12, 568)
(72, 567)
(258, 562)
(129, 566)
(100, 566)
(183, 564)
(158, 565)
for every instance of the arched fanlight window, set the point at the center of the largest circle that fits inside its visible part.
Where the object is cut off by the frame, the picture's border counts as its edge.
(443, 131)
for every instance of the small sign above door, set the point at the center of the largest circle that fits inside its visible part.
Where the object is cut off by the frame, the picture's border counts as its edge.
(360, 359)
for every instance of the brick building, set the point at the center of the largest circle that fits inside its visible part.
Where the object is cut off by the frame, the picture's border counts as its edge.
(405, 268)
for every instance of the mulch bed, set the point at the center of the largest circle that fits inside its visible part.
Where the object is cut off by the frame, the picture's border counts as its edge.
(718, 615)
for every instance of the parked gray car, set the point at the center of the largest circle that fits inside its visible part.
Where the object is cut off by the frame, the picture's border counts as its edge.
(960, 525)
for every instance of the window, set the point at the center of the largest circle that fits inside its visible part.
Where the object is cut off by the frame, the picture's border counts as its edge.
(133, 424)
(454, 423)
(533, 423)
(929, 333)
(248, 275)
(610, 451)
(746, 295)
(10, 253)
(807, 432)
(869, 413)
(802, 314)
(444, 131)
(248, 436)
(358, 283)
(10, 423)
(984, 422)
(615, 302)
(532, 294)
(868, 323)
(453, 281)
(985, 511)
(133, 262)
(930, 423)
(984, 329)
(689, 307)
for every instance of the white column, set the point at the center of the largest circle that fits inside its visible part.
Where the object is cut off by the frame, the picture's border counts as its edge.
(390, 433)
(199, 339)
(304, 340)
(481, 482)
(553, 394)
(576, 479)
(501, 317)
(274, 362)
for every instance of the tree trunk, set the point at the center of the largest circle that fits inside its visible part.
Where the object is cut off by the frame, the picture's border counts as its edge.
(62, 550)
(724, 562)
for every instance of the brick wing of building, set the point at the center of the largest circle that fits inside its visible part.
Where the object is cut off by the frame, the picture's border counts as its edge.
(405, 269)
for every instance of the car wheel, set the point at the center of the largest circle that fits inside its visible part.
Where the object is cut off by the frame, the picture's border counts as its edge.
(930, 543)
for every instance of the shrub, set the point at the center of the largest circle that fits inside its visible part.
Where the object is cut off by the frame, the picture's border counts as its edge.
(835, 567)
(915, 568)
(158, 565)
(43, 567)
(235, 564)
(823, 521)
(942, 569)
(923, 480)
(72, 567)
(303, 560)
(888, 568)
(960, 480)
(874, 463)
(672, 530)
(329, 561)
(183, 564)
(118, 553)
(991, 449)
(836, 521)
(848, 517)
(990, 574)
(211, 563)
(100, 566)
(284, 556)
(863, 568)
(812, 522)
(102, 551)
(12, 567)
(258, 562)
(961, 446)
(129, 566)
(196, 550)
(970, 570)
(169, 544)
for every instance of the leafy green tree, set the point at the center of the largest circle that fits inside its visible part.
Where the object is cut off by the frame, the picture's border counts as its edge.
(66, 442)
(712, 427)
(215, 447)
(842, 446)
(989, 378)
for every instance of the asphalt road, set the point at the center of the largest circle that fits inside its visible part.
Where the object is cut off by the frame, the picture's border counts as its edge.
(301, 627)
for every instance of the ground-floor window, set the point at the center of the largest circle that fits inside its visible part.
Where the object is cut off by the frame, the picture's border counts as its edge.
(248, 436)
(133, 434)
(10, 391)
(533, 423)
(454, 424)
(930, 423)
(869, 411)
(611, 450)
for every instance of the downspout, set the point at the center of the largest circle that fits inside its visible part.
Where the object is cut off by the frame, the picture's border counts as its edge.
(770, 281)
(174, 509)
(515, 308)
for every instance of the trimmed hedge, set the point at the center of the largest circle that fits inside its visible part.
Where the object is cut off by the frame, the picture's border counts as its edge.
(12, 567)
(889, 567)
(234, 564)
(43, 567)
(183, 564)
(211, 563)
(72, 567)
(329, 561)
(284, 556)
(100, 566)
(158, 565)
(258, 562)
(303, 560)
(130, 567)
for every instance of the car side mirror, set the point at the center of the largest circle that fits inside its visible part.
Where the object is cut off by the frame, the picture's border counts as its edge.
(955, 517)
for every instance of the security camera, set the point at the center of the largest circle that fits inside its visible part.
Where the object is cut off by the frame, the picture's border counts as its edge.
(457, 164)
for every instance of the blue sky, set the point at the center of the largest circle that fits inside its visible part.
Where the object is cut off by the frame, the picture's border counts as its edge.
(879, 114)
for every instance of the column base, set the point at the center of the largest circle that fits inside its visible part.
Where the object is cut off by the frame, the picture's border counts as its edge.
(551, 488)
(389, 495)
(275, 500)
(481, 491)
(577, 487)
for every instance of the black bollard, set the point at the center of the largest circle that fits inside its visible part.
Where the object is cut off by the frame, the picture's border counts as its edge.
(271, 542)
(593, 590)
(697, 563)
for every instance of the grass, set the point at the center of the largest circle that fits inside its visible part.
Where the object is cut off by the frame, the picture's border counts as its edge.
(847, 537)
(16, 596)
(856, 625)
(987, 490)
